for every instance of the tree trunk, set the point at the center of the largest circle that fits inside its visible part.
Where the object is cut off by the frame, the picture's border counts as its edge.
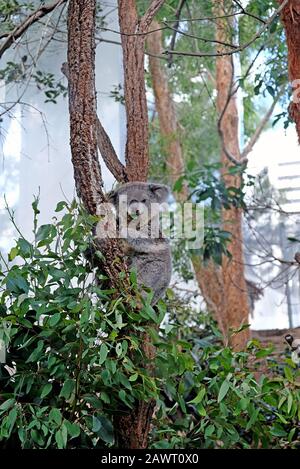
(134, 427)
(208, 276)
(290, 17)
(223, 289)
(83, 123)
(136, 153)
(235, 300)
(82, 102)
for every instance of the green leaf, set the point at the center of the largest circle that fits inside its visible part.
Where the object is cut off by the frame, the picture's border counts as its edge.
(46, 390)
(96, 425)
(103, 353)
(61, 438)
(178, 184)
(209, 431)
(36, 354)
(288, 374)
(107, 430)
(54, 319)
(67, 389)
(73, 429)
(11, 419)
(119, 349)
(290, 402)
(55, 416)
(271, 91)
(60, 206)
(223, 390)
(25, 248)
(199, 397)
(16, 283)
(45, 232)
(13, 253)
(7, 405)
(134, 377)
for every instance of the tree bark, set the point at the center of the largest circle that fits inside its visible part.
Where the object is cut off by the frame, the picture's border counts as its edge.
(235, 299)
(133, 36)
(136, 153)
(290, 17)
(82, 103)
(84, 123)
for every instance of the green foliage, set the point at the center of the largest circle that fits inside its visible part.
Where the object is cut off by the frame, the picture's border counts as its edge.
(52, 88)
(223, 399)
(11, 11)
(72, 364)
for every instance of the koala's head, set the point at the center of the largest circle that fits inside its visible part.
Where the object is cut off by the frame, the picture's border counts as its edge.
(137, 195)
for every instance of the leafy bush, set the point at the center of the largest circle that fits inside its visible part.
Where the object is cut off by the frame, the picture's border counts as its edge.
(69, 355)
(225, 400)
(72, 364)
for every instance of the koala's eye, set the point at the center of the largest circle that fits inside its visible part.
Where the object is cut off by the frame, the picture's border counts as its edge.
(144, 201)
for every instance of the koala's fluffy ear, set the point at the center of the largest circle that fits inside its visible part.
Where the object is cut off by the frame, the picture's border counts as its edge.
(160, 192)
(112, 197)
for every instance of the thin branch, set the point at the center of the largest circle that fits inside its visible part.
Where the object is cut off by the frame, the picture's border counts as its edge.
(116, 43)
(109, 155)
(231, 93)
(175, 26)
(245, 12)
(240, 48)
(253, 140)
(192, 36)
(147, 18)
(30, 20)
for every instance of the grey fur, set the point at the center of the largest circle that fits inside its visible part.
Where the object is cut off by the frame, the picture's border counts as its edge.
(150, 258)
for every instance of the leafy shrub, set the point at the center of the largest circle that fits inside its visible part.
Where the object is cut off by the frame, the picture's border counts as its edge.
(72, 365)
(67, 346)
(224, 400)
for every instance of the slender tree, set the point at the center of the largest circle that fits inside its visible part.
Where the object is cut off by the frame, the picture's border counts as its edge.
(87, 133)
(223, 288)
(235, 298)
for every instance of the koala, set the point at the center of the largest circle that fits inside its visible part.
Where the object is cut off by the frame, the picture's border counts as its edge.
(147, 251)
(295, 347)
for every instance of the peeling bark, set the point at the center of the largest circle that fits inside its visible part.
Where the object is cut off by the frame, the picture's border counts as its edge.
(223, 289)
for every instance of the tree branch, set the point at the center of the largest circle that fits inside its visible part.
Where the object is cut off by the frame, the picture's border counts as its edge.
(147, 18)
(240, 48)
(253, 140)
(109, 155)
(245, 12)
(175, 26)
(19, 30)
